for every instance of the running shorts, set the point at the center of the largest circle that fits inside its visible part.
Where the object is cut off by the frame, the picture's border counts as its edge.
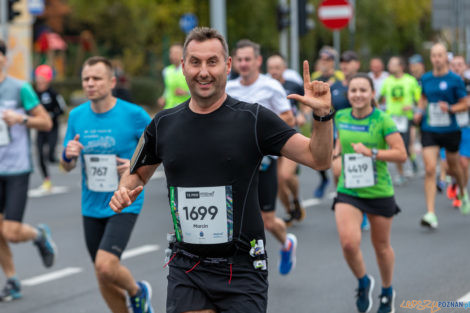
(267, 187)
(464, 148)
(13, 195)
(386, 207)
(195, 284)
(449, 141)
(110, 234)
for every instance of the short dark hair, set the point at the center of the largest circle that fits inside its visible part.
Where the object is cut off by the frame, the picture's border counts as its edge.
(201, 34)
(243, 43)
(3, 47)
(401, 61)
(99, 59)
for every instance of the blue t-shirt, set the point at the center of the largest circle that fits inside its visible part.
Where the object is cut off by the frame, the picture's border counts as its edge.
(449, 88)
(116, 131)
(339, 96)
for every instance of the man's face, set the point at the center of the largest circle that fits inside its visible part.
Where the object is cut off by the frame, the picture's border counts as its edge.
(325, 64)
(97, 81)
(206, 69)
(176, 53)
(376, 66)
(417, 69)
(349, 68)
(458, 66)
(394, 66)
(438, 56)
(276, 67)
(248, 63)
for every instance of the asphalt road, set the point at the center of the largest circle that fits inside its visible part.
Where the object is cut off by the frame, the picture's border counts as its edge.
(430, 265)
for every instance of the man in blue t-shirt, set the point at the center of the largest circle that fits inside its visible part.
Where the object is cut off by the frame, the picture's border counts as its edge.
(443, 98)
(103, 133)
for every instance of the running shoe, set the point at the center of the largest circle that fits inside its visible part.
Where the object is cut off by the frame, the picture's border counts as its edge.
(364, 296)
(452, 191)
(365, 225)
(400, 180)
(457, 203)
(46, 246)
(299, 211)
(46, 185)
(429, 220)
(414, 166)
(289, 219)
(440, 185)
(320, 191)
(387, 303)
(465, 205)
(140, 303)
(11, 291)
(288, 256)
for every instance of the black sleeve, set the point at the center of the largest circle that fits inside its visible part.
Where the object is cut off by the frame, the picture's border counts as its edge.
(146, 151)
(272, 131)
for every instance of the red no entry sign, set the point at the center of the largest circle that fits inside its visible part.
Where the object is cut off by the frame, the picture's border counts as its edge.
(335, 14)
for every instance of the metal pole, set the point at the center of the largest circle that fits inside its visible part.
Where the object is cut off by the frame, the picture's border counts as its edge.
(352, 26)
(3, 19)
(467, 35)
(294, 35)
(219, 17)
(337, 45)
(284, 37)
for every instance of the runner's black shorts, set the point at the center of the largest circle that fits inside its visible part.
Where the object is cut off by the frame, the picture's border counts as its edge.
(210, 286)
(13, 195)
(386, 206)
(449, 141)
(110, 234)
(267, 187)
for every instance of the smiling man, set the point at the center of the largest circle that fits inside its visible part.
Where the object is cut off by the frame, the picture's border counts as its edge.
(211, 147)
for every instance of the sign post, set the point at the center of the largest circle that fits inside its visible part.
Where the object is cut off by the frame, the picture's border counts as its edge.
(335, 15)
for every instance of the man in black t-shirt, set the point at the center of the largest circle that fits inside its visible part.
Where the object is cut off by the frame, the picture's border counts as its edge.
(211, 147)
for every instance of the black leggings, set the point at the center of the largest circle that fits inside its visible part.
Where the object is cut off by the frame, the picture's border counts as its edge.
(48, 139)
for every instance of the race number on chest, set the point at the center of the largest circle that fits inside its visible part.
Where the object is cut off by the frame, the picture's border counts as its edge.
(4, 133)
(359, 171)
(202, 215)
(101, 172)
(437, 117)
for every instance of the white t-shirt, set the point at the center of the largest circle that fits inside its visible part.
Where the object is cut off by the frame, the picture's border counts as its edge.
(265, 91)
(378, 82)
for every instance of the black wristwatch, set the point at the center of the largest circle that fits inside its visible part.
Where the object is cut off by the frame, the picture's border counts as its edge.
(324, 118)
(25, 119)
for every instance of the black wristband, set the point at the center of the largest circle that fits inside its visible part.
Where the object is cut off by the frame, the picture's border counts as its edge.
(324, 118)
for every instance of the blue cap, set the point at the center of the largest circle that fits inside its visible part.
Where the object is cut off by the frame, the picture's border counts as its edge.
(416, 58)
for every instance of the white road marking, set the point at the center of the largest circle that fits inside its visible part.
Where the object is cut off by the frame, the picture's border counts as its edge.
(51, 276)
(39, 192)
(139, 250)
(157, 174)
(465, 298)
(314, 201)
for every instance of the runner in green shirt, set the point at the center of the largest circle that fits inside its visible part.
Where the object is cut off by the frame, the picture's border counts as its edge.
(367, 139)
(401, 92)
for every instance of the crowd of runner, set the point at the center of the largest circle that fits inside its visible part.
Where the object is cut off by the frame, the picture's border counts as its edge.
(244, 130)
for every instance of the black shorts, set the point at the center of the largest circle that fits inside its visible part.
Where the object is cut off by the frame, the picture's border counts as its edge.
(406, 138)
(110, 234)
(379, 206)
(449, 141)
(267, 187)
(13, 195)
(209, 286)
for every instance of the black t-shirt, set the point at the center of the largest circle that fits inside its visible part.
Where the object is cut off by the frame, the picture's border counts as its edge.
(222, 148)
(52, 102)
(293, 88)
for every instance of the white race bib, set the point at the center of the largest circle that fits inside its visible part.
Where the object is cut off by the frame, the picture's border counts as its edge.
(4, 133)
(101, 172)
(359, 171)
(401, 122)
(202, 215)
(462, 118)
(437, 117)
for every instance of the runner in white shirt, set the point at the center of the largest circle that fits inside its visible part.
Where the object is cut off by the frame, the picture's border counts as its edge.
(254, 87)
(377, 74)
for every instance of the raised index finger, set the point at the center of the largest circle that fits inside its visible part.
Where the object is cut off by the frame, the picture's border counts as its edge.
(306, 73)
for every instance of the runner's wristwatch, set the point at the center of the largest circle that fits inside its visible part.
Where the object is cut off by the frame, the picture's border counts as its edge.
(374, 153)
(25, 120)
(324, 118)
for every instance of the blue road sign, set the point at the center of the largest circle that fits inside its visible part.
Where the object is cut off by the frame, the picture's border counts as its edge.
(187, 22)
